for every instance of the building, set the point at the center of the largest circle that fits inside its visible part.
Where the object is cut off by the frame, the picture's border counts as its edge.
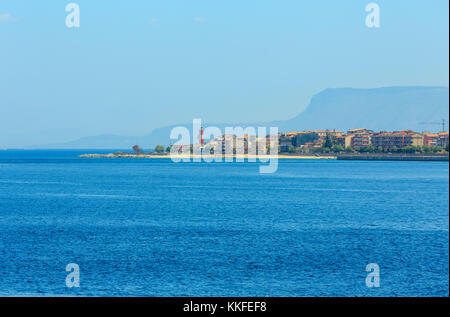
(358, 131)
(443, 139)
(360, 137)
(293, 134)
(435, 139)
(345, 140)
(214, 147)
(230, 143)
(324, 133)
(286, 141)
(308, 146)
(398, 139)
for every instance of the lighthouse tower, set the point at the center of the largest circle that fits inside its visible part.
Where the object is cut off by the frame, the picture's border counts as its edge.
(202, 140)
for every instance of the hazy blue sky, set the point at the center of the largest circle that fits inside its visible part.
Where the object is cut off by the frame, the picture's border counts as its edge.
(136, 65)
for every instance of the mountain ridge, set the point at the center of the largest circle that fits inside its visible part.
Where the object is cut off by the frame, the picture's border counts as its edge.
(384, 108)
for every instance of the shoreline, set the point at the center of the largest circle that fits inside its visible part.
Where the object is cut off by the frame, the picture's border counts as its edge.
(394, 157)
(181, 156)
(343, 157)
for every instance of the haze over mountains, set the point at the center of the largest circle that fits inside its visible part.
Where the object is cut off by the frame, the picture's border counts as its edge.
(387, 109)
(391, 108)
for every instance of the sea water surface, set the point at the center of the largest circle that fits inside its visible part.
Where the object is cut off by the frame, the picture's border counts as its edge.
(151, 227)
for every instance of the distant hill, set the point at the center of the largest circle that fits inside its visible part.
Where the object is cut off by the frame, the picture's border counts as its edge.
(389, 109)
(107, 141)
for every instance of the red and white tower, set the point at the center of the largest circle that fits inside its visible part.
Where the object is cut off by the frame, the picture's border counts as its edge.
(202, 140)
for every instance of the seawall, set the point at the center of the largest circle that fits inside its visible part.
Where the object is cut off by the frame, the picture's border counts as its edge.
(394, 157)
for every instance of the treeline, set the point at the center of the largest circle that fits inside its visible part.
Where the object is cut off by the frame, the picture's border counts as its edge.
(158, 149)
(161, 149)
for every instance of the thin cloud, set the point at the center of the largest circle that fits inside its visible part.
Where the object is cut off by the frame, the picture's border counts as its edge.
(199, 19)
(7, 17)
(154, 20)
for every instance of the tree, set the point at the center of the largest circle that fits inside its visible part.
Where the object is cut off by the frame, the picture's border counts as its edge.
(363, 149)
(408, 149)
(137, 149)
(328, 141)
(159, 148)
(168, 149)
(436, 149)
(337, 148)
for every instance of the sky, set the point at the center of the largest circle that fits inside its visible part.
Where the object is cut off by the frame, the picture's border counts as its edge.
(134, 65)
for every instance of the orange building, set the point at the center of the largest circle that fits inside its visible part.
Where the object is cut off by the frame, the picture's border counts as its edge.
(398, 139)
(435, 139)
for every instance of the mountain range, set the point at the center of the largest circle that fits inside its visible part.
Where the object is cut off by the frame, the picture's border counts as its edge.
(378, 109)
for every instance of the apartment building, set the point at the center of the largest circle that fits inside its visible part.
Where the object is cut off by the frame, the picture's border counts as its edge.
(345, 140)
(398, 139)
(360, 137)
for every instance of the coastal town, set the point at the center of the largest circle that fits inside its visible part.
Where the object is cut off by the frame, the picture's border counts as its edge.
(363, 141)
(359, 144)
(328, 141)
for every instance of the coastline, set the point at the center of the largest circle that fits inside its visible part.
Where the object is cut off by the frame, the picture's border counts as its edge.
(344, 157)
(394, 157)
(181, 156)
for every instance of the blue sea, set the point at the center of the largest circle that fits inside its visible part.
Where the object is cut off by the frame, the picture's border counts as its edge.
(151, 227)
